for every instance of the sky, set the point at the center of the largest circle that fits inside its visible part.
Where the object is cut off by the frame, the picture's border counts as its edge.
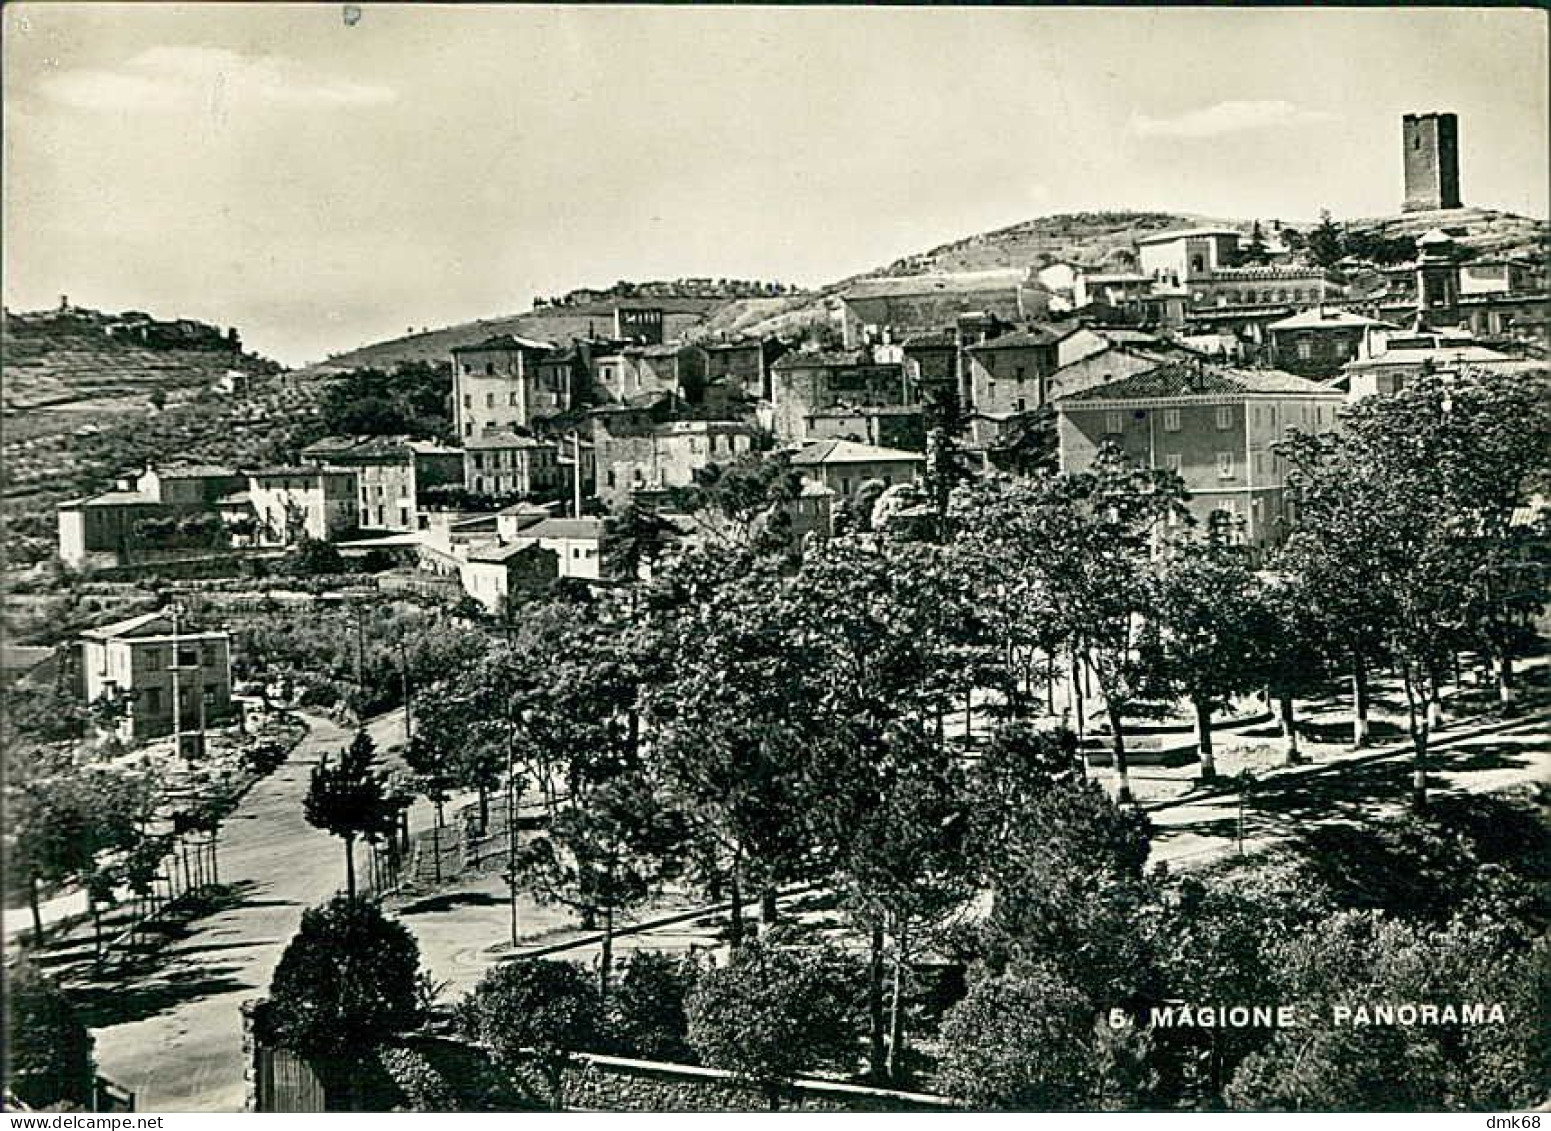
(322, 181)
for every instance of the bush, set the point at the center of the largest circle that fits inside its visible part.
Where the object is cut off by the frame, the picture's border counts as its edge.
(346, 982)
(50, 1053)
(647, 1012)
(548, 1009)
(424, 1088)
(773, 1012)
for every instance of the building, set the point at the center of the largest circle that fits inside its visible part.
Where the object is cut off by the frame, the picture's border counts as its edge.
(391, 473)
(743, 365)
(141, 660)
(885, 426)
(577, 544)
(491, 574)
(1205, 265)
(843, 465)
(890, 309)
(1317, 342)
(1213, 425)
(105, 529)
(1390, 358)
(496, 385)
(672, 368)
(803, 384)
(635, 449)
(506, 463)
(292, 503)
(194, 485)
(1430, 153)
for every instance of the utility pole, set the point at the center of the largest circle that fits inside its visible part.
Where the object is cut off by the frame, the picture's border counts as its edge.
(177, 688)
(576, 474)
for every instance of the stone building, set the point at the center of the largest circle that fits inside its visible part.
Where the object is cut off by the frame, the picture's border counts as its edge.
(1317, 342)
(391, 474)
(803, 384)
(1430, 150)
(888, 310)
(140, 660)
(506, 463)
(1214, 425)
(636, 450)
(744, 365)
(492, 573)
(290, 503)
(497, 385)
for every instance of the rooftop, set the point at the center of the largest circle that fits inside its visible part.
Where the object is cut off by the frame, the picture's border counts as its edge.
(1182, 233)
(1024, 339)
(1189, 379)
(115, 499)
(194, 471)
(502, 440)
(506, 342)
(584, 528)
(501, 552)
(1323, 318)
(961, 282)
(849, 451)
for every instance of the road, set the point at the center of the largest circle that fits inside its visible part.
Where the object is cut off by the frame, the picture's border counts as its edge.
(176, 1038)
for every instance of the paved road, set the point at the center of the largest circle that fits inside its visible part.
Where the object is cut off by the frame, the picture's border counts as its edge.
(177, 1043)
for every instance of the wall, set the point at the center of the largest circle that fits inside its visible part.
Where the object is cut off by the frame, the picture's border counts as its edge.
(606, 1083)
(1431, 150)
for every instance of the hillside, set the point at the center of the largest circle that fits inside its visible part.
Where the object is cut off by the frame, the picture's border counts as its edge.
(1482, 230)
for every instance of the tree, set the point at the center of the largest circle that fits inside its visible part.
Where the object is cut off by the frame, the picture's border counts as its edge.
(1214, 631)
(346, 983)
(772, 1012)
(1255, 250)
(1324, 241)
(1299, 663)
(1030, 1044)
(350, 800)
(548, 1009)
(49, 1048)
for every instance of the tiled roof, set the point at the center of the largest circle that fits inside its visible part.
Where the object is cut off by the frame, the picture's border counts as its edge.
(1323, 318)
(195, 471)
(849, 451)
(502, 440)
(1186, 379)
(499, 552)
(583, 528)
(1025, 339)
(305, 472)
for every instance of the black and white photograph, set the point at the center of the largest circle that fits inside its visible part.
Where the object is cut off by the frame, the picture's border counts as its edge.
(774, 558)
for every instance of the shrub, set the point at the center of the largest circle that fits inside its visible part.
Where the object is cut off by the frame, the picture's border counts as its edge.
(647, 1012)
(773, 1012)
(424, 1088)
(546, 1009)
(346, 981)
(50, 1048)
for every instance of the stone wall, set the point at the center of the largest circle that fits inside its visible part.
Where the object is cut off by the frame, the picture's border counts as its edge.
(606, 1083)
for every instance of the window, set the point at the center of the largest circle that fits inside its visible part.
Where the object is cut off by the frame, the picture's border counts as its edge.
(468, 398)
(1114, 424)
(479, 462)
(479, 484)
(1224, 417)
(1225, 465)
(1305, 348)
(1018, 373)
(1174, 462)
(1171, 420)
(1020, 407)
(467, 369)
(468, 429)
(1260, 463)
(489, 369)
(489, 400)
(511, 398)
(153, 700)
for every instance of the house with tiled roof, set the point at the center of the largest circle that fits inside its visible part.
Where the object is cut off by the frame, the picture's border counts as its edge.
(844, 465)
(892, 308)
(391, 474)
(154, 667)
(1215, 426)
(504, 383)
(1318, 341)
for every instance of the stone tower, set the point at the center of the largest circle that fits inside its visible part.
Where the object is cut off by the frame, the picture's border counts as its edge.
(1437, 281)
(1431, 149)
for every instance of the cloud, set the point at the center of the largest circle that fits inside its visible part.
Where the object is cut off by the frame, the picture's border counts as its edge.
(1226, 118)
(167, 78)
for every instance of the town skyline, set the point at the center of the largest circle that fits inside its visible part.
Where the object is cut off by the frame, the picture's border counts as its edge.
(327, 158)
